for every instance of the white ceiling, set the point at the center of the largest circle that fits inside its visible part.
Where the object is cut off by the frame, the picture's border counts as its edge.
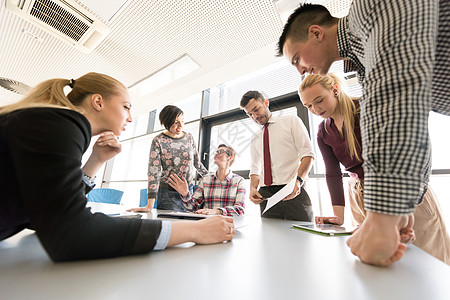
(228, 38)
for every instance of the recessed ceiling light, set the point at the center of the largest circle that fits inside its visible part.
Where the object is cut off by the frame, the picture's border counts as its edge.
(174, 71)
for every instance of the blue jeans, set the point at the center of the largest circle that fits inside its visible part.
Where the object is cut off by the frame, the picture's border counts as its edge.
(170, 199)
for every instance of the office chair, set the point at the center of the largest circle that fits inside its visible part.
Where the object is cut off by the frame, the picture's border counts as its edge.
(104, 195)
(144, 200)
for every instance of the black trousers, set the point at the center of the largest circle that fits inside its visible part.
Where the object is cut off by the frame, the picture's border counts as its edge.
(298, 208)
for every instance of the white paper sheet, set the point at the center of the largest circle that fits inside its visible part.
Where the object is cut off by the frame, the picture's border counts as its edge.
(281, 194)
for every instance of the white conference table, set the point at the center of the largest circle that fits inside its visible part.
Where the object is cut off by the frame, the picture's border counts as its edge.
(266, 260)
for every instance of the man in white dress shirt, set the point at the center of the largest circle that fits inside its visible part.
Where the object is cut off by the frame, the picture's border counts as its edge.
(288, 155)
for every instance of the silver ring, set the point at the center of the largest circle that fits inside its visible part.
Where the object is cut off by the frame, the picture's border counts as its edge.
(231, 230)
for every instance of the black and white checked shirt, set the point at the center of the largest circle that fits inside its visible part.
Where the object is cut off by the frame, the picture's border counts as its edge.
(401, 52)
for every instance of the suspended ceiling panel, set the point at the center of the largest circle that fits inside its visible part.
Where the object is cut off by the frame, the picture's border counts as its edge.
(227, 38)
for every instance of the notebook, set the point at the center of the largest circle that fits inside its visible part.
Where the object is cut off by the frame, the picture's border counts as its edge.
(325, 229)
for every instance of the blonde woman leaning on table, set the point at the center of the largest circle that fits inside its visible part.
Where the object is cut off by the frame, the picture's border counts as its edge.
(42, 140)
(172, 152)
(339, 140)
(218, 193)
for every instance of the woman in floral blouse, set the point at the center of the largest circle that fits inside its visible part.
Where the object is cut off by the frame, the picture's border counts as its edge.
(172, 152)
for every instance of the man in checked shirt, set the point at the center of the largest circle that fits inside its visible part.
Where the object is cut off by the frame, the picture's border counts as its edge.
(400, 50)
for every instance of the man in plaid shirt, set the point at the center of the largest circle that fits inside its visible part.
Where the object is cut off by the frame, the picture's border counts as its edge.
(219, 193)
(400, 51)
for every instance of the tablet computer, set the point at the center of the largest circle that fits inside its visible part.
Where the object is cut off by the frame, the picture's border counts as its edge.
(325, 229)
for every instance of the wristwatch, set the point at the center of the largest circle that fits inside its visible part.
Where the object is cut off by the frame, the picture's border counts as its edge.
(300, 179)
(88, 180)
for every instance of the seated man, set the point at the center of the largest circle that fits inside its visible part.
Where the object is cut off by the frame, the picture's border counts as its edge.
(219, 193)
(280, 151)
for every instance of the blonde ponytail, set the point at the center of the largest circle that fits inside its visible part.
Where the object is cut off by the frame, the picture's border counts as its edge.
(50, 93)
(346, 107)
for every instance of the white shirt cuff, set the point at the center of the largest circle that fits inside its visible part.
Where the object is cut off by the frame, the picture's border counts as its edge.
(164, 236)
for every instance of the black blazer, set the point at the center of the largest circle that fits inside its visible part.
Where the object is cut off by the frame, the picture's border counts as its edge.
(42, 189)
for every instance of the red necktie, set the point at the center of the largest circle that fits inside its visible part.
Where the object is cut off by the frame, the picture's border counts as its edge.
(267, 164)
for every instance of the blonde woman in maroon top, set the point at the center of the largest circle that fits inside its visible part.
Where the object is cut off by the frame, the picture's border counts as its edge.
(339, 140)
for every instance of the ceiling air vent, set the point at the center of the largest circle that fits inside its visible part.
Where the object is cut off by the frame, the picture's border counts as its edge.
(14, 86)
(65, 19)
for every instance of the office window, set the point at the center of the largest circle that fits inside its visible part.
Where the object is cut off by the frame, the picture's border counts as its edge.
(314, 121)
(440, 186)
(129, 169)
(440, 144)
(131, 163)
(277, 79)
(193, 128)
(191, 107)
(440, 161)
(238, 135)
(251, 209)
(136, 128)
